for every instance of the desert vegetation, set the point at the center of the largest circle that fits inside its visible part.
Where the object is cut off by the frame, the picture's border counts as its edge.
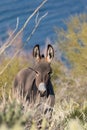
(69, 79)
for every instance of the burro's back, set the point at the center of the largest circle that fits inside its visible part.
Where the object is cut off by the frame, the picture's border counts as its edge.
(35, 81)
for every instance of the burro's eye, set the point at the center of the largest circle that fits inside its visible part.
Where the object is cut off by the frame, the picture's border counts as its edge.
(37, 73)
(49, 73)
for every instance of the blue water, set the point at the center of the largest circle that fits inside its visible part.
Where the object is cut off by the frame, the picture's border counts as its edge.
(58, 11)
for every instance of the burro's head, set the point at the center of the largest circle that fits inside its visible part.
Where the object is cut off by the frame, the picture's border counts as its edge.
(42, 68)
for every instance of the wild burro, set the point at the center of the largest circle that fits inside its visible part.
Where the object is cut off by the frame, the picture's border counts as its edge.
(35, 81)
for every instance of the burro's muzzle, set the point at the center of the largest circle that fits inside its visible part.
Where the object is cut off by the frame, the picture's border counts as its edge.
(42, 88)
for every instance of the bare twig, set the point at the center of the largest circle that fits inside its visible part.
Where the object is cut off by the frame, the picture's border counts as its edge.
(2, 49)
(8, 63)
(36, 19)
(36, 25)
(33, 31)
(15, 28)
(25, 24)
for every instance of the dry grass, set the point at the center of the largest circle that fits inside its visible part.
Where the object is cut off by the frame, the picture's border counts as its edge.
(17, 113)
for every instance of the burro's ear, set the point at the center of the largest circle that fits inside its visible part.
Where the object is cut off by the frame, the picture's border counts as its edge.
(36, 52)
(49, 53)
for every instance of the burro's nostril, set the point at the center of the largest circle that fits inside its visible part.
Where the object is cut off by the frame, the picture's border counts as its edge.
(43, 93)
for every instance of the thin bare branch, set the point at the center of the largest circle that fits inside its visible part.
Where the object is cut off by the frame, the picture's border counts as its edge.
(9, 63)
(36, 26)
(36, 19)
(15, 28)
(11, 36)
(25, 24)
